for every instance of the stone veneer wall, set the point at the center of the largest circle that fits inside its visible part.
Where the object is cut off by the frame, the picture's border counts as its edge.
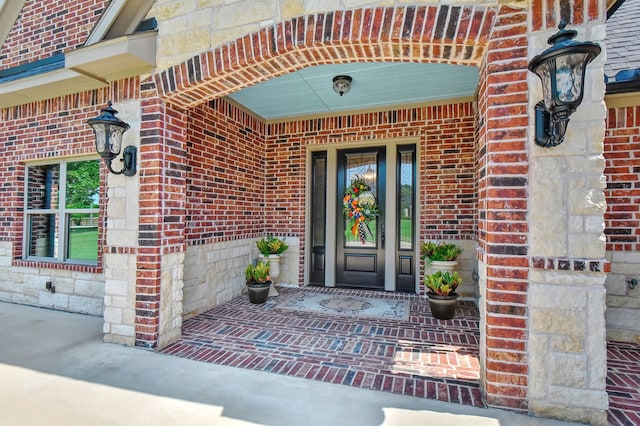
(214, 274)
(120, 264)
(622, 150)
(566, 295)
(76, 291)
(171, 298)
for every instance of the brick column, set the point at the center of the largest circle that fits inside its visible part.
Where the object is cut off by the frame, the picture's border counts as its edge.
(503, 204)
(540, 229)
(161, 239)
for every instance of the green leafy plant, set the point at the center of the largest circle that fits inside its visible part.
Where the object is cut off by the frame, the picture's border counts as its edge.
(258, 273)
(442, 283)
(271, 245)
(430, 251)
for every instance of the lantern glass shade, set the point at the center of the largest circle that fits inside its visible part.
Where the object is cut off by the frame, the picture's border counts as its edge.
(108, 139)
(108, 130)
(562, 80)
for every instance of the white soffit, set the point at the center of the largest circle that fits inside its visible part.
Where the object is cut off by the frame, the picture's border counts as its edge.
(114, 59)
(375, 86)
(44, 86)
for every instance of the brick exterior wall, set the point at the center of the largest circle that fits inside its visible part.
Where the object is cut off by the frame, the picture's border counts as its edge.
(47, 130)
(46, 28)
(226, 174)
(622, 150)
(182, 167)
(446, 166)
(622, 223)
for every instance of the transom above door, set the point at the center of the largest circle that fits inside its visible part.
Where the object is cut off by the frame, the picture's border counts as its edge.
(359, 249)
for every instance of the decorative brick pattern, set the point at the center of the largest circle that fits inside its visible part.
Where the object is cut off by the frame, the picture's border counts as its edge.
(421, 357)
(547, 14)
(47, 28)
(623, 383)
(577, 265)
(446, 34)
(621, 150)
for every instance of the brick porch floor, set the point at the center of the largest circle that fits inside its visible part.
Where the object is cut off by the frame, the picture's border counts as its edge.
(421, 357)
(623, 383)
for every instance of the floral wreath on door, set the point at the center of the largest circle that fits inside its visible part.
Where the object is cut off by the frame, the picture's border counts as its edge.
(360, 208)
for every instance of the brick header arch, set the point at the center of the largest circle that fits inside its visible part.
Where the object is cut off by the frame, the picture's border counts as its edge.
(444, 34)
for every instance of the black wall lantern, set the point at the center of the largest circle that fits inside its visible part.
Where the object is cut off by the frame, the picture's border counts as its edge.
(562, 69)
(108, 130)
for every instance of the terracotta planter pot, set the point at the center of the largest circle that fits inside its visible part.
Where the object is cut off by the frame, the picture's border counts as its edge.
(443, 307)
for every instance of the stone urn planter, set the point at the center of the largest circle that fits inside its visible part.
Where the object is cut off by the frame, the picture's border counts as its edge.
(274, 262)
(440, 265)
(271, 248)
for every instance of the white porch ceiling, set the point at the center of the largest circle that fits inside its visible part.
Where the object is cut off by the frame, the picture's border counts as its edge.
(309, 92)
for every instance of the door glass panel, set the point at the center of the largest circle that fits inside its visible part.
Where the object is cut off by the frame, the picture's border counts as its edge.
(318, 199)
(406, 200)
(360, 222)
(318, 216)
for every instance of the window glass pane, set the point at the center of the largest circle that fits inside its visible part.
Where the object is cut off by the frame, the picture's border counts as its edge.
(43, 187)
(43, 235)
(362, 166)
(406, 200)
(83, 236)
(83, 184)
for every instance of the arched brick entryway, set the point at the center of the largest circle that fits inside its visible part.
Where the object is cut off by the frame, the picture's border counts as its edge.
(494, 39)
(445, 34)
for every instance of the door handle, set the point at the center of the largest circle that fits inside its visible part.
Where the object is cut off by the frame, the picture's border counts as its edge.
(382, 235)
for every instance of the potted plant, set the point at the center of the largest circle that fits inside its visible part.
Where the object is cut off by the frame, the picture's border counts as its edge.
(271, 248)
(441, 291)
(258, 281)
(440, 256)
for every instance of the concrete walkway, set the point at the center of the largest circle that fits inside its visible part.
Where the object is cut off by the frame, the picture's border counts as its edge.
(55, 370)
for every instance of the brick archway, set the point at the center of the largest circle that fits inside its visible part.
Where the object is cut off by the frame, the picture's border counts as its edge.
(445, 34)
(459, 35)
